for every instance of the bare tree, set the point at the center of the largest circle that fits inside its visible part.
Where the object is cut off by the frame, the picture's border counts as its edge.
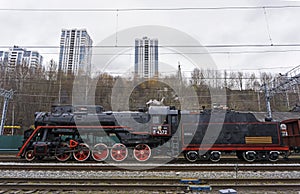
(232, 82)
(225, 79)
(52, 73)
(239, 80)
(266, 78)
(197, 77)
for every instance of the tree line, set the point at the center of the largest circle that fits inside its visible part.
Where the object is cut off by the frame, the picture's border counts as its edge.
(38, 89)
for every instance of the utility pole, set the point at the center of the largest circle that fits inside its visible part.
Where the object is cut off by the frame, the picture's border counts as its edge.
(268, 105)
(7, 96)
(258, 101)
(180, 80)
(59, 87)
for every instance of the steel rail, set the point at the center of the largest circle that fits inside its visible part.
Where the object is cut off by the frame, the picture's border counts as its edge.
(177, 161)
(148, 167)
(141, 187)
(4, 157)
(158, 180)
(94, 187)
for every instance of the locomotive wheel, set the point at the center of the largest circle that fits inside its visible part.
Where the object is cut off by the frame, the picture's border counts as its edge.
(191, 156)
(215, 156)
(64, 153)
(142, 152)
(29, 155)
(249, 156)
(119, 152)
(100, 152)
(273, 156)
(82, 152)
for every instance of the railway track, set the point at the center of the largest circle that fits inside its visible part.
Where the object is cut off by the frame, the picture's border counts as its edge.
(125, 184)
(295, 159)
(147, 167)
(240, 181)
(144, 184)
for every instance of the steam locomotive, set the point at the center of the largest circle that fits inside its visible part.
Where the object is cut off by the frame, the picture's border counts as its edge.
(90, 132)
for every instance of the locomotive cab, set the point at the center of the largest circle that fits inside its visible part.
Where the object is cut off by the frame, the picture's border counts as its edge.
(164, 120)
(291, 134)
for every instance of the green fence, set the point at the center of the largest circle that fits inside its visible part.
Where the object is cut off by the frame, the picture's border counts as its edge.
(10, 143)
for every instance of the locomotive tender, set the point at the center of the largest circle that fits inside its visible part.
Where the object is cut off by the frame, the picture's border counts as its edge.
(91, 132)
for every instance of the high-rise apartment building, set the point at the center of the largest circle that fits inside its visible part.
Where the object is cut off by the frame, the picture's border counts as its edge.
(146, 58)
(3, 60)
(75, 51)
(20, 56)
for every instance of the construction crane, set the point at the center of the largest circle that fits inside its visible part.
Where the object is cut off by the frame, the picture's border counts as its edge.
(7, 96)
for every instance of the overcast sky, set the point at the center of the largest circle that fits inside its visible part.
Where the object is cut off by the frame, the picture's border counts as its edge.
(207, 27)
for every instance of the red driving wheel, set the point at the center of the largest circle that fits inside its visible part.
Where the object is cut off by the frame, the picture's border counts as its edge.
(119, 152)
(29, 155)
(142, 152)
(100, 152)
(82, 152)
(62, 153)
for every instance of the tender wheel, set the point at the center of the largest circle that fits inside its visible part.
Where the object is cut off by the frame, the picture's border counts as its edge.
(273, 156)
(29, 155)
(100, 152)
(119, 152)
(62, 152)
(191, 156)
(82, 152)
(142, 152)
(249, 156)
(215, 156)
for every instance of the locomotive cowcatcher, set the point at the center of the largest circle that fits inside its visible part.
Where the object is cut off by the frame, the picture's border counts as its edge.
(90, 132)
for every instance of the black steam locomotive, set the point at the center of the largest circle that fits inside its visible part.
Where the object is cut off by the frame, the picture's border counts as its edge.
(90, 132)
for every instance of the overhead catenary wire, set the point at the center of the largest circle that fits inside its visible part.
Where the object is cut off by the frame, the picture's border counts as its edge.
(206, 77)
(209, 51)
(117, 10)
(168, 72)
(117, 25)
(166, 46)
(190, 53)
(268, 26)
(149, 9)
